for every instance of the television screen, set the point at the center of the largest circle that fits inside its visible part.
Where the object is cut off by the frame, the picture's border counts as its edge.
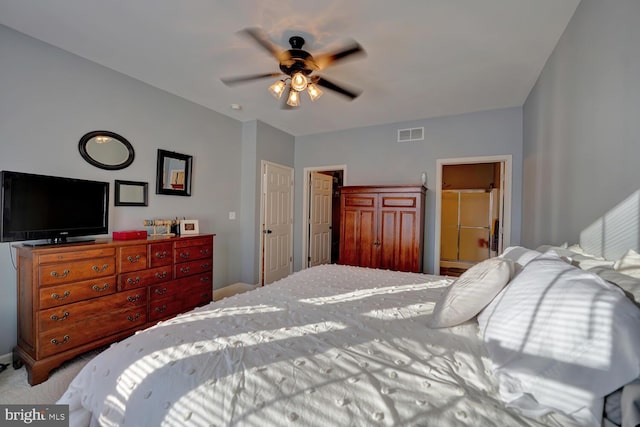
(49, 207)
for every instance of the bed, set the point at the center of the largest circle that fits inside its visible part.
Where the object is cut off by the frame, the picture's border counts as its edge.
(327, 346)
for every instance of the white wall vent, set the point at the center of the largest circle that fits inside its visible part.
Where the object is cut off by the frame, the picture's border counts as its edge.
(412, 134)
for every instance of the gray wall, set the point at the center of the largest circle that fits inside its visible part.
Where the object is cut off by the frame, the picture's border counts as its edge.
(50, 98)
(582, 134)
(373, 157)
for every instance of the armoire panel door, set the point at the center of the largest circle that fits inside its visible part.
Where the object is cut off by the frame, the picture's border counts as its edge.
(399, 237)
(358, 236)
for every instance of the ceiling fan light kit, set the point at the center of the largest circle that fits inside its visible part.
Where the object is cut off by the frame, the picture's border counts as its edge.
(297, 65)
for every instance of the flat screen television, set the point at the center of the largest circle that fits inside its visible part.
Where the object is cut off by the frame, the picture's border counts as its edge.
(36, 207)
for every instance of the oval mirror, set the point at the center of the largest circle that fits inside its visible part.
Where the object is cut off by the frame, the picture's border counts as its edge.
(106, 150)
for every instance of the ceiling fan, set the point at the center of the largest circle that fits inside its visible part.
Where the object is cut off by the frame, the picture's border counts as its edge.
(297, 68)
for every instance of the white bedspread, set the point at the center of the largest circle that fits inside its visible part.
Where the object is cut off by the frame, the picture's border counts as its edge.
(327, 346)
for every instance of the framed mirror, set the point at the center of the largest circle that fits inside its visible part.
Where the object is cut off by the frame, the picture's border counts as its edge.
(131, 193)
(173, 175)
(106, 150)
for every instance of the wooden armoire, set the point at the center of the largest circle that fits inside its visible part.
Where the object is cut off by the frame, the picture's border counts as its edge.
(382, 227)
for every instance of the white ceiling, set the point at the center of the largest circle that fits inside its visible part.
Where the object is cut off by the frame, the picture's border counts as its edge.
(425, 58)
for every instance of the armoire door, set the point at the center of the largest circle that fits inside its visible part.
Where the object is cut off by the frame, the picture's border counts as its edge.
(399, 232)
(358, 245)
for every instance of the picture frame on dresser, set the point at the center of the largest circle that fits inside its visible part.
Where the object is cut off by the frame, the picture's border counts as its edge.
(189, 227)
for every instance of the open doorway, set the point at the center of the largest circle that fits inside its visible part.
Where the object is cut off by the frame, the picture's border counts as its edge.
(321, 214)
(473, 212)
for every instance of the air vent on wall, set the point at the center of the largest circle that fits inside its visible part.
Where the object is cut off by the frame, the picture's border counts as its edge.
(412, 134)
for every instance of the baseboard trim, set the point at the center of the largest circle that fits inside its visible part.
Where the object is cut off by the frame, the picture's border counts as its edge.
(6, 358)
(229, 290)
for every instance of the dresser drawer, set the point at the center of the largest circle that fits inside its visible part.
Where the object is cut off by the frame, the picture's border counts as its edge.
(198, 241)
(160, 254)
(165, 307)
(80, 311)
(53, 296)
(192, 267)
(77, 255)
(191, 253)
(199, 295)
(67, 337)
(179, 296)
(165, 290)
(144, 278)
(132, 258)
(53, 274)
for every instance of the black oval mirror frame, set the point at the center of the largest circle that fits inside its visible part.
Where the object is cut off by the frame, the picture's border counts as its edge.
(82, 146)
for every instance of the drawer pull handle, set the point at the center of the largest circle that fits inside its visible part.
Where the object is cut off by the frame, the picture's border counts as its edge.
(204, 279)
(204, 251)
(161, 291)
(98, 269)
(133, 299)
(60, 276)
(58, 319)
(65, 339)
(133, 281)
(133, 259)
(100, 289)
(185, 255)
(161, 309)
(204, 266)
(161, 255)
(185, 269)
(58, 297)
(133, 318)
(161, 275)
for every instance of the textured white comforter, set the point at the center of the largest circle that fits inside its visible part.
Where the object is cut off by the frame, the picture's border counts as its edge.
(327, 346)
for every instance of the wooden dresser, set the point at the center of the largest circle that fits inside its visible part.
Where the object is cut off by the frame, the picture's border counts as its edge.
(77, 297)
(382, 227)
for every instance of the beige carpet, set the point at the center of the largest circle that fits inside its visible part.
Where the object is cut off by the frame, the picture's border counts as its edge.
(14, 388)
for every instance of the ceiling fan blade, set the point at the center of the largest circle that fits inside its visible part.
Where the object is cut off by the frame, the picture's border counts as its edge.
(229, 81)
(349, 93)
(324, 60)
(260, 37)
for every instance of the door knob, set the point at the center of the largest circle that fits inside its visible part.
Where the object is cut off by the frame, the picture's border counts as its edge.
(267, 231)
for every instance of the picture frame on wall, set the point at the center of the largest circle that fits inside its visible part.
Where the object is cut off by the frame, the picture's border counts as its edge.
(173, 173)
(189, 227)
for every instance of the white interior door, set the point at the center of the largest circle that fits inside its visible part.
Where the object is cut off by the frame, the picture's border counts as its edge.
(321, 191)
(277, 229)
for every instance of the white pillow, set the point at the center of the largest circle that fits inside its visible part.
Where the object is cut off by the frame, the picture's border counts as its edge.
(471, 292)
(561, 338)
(575, 255)
(629, 264)
(520, 256)
(629, 284)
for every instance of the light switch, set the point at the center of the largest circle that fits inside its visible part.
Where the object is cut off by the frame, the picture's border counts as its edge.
(232, 215)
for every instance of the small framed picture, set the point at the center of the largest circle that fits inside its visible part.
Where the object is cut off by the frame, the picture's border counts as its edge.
(189, 226)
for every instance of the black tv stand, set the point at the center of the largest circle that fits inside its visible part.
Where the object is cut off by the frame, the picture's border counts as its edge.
(58, 241)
